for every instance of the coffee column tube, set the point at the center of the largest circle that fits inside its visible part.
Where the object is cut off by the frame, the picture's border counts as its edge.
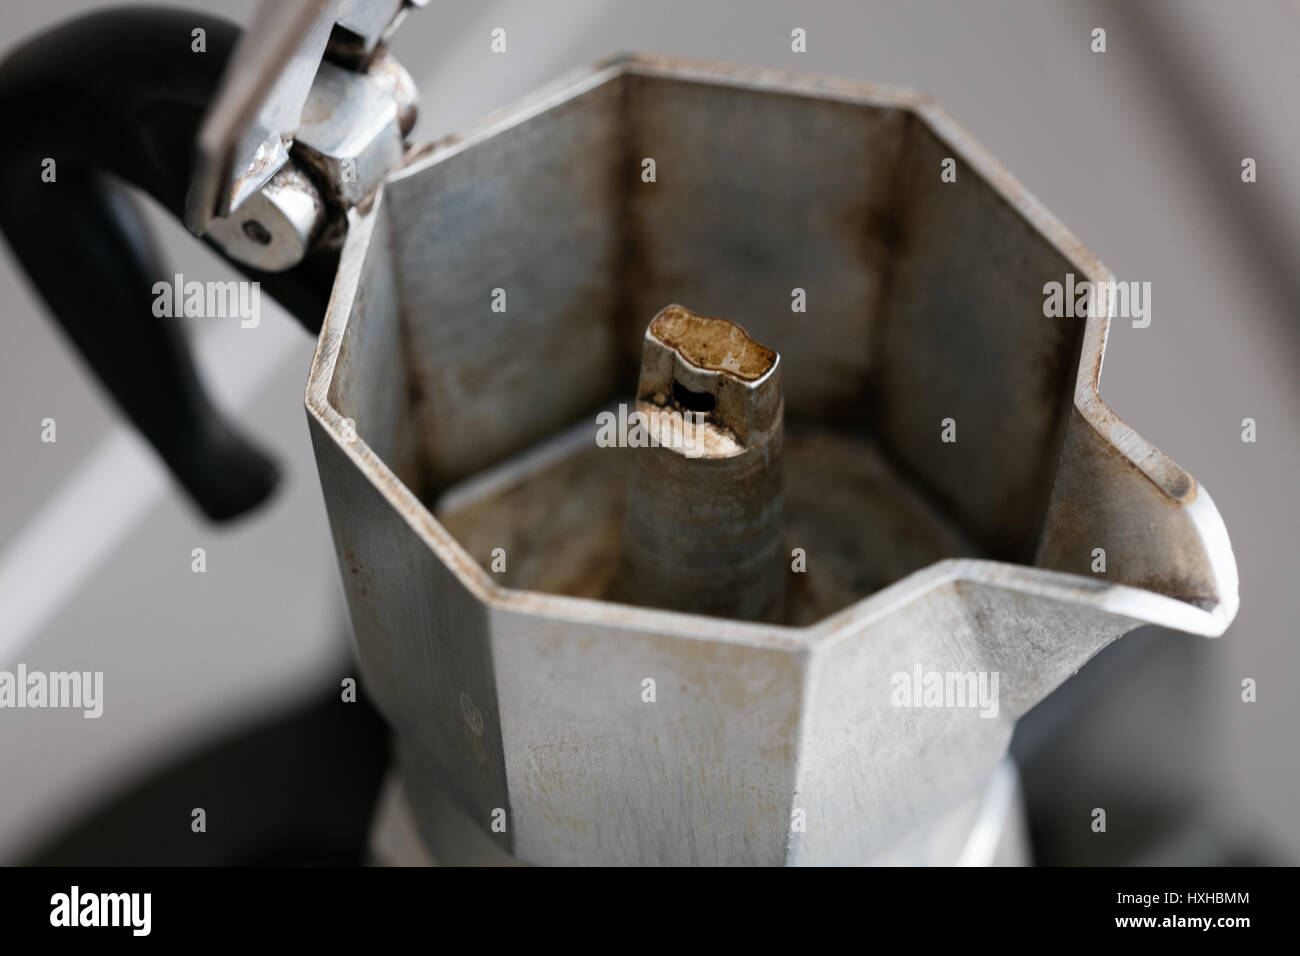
(704, 523)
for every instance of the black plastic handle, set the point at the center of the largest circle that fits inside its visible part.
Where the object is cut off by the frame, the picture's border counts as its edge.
(119, 96)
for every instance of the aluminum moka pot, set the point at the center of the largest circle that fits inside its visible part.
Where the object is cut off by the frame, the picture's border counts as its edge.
(803, 636)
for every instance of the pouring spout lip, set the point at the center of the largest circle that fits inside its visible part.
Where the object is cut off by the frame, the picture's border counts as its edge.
(1201, 538)
(1135, 605)
(1223, 562)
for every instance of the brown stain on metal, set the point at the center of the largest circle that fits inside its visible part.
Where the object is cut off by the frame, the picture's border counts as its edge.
(357, 569)
(712, 344)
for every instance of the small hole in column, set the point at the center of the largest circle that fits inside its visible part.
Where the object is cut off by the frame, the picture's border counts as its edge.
(693, 401)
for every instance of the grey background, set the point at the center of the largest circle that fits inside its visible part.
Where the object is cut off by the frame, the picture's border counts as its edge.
(1137, 150)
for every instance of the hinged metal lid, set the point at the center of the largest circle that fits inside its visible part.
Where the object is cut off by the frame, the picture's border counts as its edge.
(246, 135)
